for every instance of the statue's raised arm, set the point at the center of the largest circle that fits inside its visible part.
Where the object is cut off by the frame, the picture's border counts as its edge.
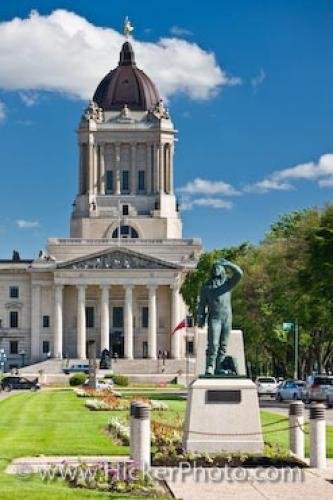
(236, 273)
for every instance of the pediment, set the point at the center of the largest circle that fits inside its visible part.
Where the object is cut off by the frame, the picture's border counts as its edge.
(117, 259)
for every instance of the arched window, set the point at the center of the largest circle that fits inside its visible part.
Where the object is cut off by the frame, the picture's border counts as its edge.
(125, 232)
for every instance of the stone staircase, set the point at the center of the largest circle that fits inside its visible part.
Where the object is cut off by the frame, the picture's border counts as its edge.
(121, 366)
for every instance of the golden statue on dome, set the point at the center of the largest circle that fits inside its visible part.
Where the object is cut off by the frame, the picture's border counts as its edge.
(128, 28)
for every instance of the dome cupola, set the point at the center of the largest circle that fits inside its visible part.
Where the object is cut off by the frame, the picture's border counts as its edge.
(126, 85)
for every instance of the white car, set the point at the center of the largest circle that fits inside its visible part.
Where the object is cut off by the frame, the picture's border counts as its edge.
(289, 389)
(106, 385)
(321, 389)
(266, 386)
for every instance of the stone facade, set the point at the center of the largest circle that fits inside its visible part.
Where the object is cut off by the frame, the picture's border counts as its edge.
(116, 279)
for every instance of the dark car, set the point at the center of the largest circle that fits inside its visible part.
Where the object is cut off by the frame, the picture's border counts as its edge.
(13, 382)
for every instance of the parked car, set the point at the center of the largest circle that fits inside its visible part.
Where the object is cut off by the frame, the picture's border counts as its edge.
(266, 386)
(290, 389)
(106, 385)
(83, 368)
(14, 382)
(319, 388)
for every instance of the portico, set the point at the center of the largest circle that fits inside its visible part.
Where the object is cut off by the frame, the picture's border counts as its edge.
(134, 296)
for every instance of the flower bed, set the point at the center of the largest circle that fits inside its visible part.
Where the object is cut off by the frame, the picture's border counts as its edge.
(119, 430)
(107, 403)
(122, 478)
(112, 402)
(87, 392)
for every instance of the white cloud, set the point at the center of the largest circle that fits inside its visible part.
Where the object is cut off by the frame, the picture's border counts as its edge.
(258, 79)
(178, 31)
(27, 224)
(64, 52)
(188, 204)
(29, 98)
(267, 185)
(2, 111)
(320, 172)
(204, 186)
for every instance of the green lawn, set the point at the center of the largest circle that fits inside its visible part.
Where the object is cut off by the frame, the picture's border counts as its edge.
(50, 423)
(57, 423)
(272, 436)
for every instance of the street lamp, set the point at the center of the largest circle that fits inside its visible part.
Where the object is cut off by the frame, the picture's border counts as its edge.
(292, 326)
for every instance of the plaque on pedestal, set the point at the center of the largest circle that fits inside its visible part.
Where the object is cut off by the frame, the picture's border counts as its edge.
(222, 414)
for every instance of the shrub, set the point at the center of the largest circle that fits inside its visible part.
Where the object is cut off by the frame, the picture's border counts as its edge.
(108, 375)
(77, 379)
(120, 380)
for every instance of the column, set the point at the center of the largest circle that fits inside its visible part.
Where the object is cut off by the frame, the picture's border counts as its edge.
(105, 318)
(148, 170)
(152, 322)
(35, 322)
(102, 169)
(161, 165)
(58, 322)
(128, 322)
(95, 168)
(91, 164)
(133, 169)
(175, 309)
(117, 179)
(157, 167)
(81, 168)
(172, 152)
(81, 322)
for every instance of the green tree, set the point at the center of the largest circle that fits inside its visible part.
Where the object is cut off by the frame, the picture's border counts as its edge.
(288, 276)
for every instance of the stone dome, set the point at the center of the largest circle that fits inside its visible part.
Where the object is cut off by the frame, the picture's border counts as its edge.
(126, 85)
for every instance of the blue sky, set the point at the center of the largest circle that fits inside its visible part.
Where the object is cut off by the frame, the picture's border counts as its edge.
(255, 121)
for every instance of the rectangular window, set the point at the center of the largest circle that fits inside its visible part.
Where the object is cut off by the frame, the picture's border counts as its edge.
(14, 292)
(144, 318)
(46, 346)
(46, 321)
(90, 320)
(125, 181)
(189, 321)
(13, 347)
(125, 209)
(141, 180)
(13, 319)
(189, 347)
(118, 317)
(109, 182)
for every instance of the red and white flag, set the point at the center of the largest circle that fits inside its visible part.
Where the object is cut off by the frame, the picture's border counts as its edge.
(180, 326)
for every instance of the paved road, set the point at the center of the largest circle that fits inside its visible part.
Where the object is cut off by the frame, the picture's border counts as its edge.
(283, 408)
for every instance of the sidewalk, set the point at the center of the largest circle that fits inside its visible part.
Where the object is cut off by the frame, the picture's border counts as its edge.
(314, 486)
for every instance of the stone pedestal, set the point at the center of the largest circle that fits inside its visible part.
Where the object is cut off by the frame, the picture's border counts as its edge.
(222, 414)
(235, 349)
